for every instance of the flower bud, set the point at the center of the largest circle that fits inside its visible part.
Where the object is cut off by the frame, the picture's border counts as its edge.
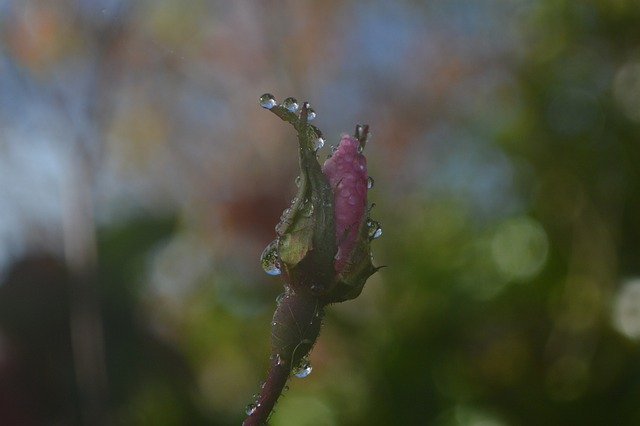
(323, 241)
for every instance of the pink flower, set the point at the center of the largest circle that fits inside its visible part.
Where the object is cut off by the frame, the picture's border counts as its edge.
(346, 171)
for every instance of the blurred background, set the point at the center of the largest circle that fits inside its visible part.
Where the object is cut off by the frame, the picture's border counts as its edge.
(140, 181)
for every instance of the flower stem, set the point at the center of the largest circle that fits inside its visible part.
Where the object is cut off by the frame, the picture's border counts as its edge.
(277, 378)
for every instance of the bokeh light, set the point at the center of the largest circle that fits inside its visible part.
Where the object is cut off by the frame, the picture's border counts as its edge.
(519, 248)
(626, 309)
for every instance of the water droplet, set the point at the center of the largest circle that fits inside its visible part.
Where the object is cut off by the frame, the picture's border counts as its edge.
(375, 231)
(369, 182)
(307, 208)
(298, 180)
(280, 297)
(311, 114)
(267, 101)
(334, 148)
(294, 200)
(318, 143)
(377, 234)
(316, 288)
(362, 134)
(303, 370)
(360, 149)
(280, 360)
(250, 409)
(269, 259)
(291, 104)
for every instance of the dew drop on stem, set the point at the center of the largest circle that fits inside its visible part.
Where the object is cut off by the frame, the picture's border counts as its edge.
(280, 360)
(250, 409)
(303, 370)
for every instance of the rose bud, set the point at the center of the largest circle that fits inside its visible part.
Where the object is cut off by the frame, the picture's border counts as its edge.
(322, 248)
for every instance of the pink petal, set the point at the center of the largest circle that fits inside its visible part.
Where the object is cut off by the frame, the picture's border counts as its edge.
(347, 174)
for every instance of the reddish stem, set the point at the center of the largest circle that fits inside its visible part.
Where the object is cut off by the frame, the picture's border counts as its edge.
(277, 378)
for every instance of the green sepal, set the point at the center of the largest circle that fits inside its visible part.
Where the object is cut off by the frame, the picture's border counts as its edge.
(351, 280)
(307, 243)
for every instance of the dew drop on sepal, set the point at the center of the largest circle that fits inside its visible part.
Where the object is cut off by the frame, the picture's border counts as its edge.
(307, 208)
(267, 101)
(318, 143)
(311, 114)
(370, 182)
(375, 231)
(269, 259)
(291, 104)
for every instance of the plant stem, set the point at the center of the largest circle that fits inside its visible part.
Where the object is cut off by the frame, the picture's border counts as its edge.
(277, 378)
